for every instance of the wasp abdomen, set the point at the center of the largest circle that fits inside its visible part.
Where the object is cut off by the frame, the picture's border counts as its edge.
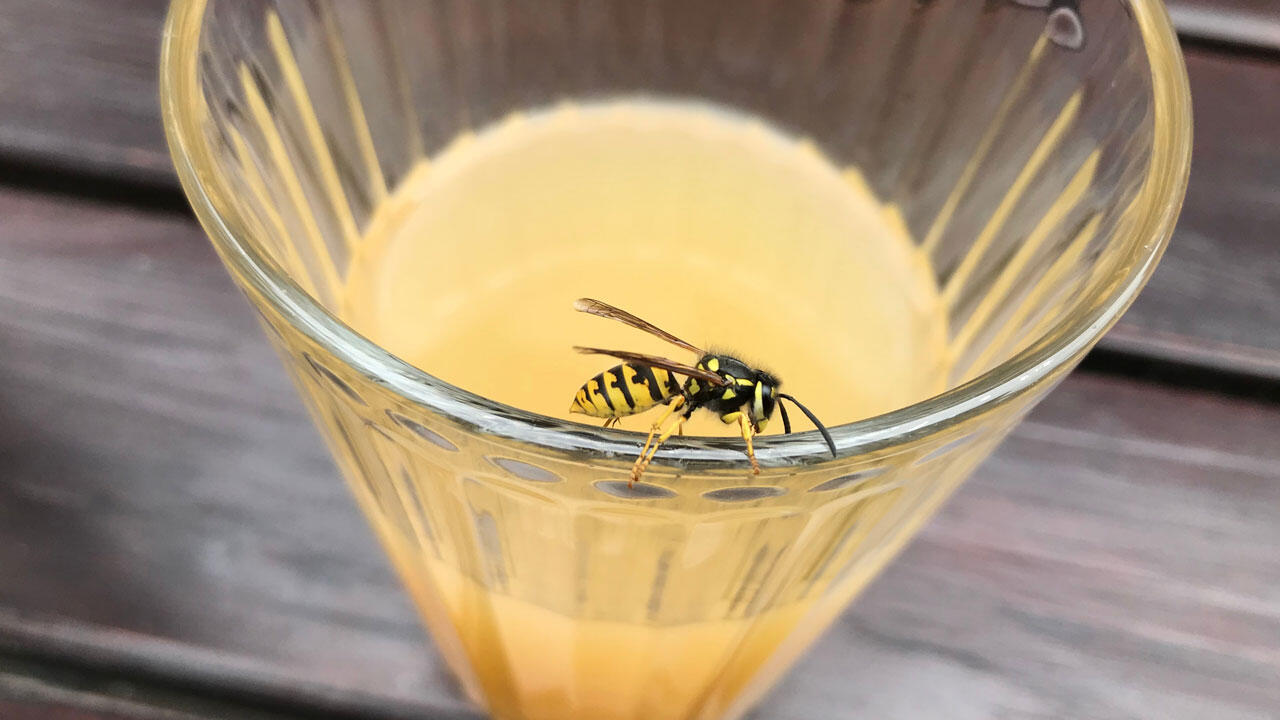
(625, 390)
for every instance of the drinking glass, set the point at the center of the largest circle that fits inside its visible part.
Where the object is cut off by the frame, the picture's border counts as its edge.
(1036, 151)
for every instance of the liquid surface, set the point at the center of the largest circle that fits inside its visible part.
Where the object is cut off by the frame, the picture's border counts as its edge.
(719, 230)
(710, 225)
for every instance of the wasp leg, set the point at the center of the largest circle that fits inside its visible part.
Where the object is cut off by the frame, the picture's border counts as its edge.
(674, 405)
(643, 461)
(747, 433)
(611, 422)
(651, 447)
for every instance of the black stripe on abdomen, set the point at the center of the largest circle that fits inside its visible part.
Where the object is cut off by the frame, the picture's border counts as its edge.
(602, 389)
(624, 386)
(644, 372)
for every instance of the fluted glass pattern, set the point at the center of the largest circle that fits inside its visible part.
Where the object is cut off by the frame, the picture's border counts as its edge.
(1036, 156)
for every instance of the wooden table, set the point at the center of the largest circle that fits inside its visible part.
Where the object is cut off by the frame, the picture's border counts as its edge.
(174, 542)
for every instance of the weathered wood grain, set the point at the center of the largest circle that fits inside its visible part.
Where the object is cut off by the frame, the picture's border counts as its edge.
(80, 88)
(1248, 23)
(79, 82)
(24, 697)
(46, 681)
(47, 709)
(165, 506)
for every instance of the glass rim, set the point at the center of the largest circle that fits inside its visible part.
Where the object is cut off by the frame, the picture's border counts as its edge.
(1158, 203)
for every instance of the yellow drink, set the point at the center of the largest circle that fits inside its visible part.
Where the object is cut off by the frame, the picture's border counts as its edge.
(714, 227)
(710, 225)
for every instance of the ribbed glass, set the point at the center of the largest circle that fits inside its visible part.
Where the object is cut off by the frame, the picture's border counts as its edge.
(1037, 154)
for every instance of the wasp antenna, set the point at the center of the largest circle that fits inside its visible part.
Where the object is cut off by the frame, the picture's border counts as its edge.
(786, 421)
(813, 419)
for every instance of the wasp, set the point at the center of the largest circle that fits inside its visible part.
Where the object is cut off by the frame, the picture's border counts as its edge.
(721, 383)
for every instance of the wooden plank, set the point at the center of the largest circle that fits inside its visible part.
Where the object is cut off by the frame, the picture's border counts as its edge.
(1249, 23)
(27, 698)
(167, 508)
(52, 710)
(41, 684)
(80, 87)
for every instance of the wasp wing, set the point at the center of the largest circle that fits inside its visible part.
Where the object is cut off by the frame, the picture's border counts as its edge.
(658, 362)
(605, 310)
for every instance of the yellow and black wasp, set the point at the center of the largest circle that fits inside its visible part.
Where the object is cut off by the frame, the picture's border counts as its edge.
(720, 383)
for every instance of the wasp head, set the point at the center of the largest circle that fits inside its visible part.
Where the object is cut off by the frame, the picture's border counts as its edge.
(763, 401)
